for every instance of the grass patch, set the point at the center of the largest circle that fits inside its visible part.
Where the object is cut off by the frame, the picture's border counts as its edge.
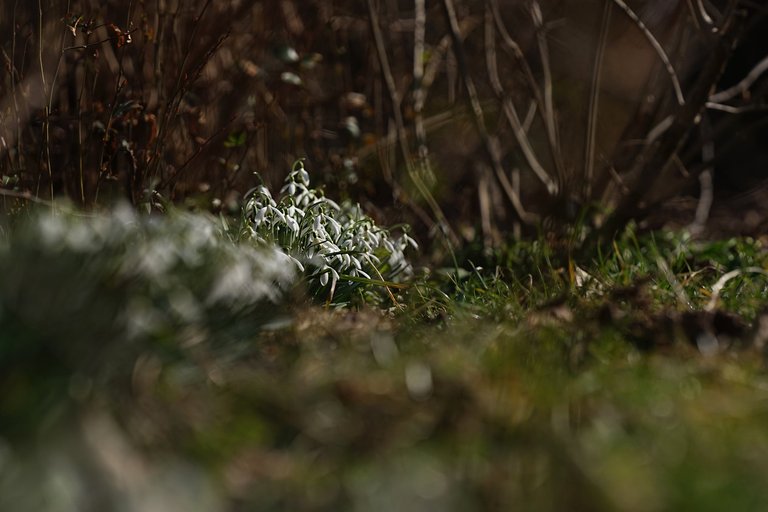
(537, 381)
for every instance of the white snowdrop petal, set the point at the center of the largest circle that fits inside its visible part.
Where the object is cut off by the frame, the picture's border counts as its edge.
(259, 217)
(298, 264)
(277, 213)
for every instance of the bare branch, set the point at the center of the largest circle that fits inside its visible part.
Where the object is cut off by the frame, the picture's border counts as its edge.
(720, 284)
(419, 29)
(511, 113)
(400, 124)
(743, 86)
(706, 195)
(549, 104)
(656, 46)
(594, 99)
(491, 144)
(704, 14)
(512, 47)
(729, 109)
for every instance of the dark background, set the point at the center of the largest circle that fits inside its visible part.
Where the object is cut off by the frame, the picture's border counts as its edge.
(187, 100)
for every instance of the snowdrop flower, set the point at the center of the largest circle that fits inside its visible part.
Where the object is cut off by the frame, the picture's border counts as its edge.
(324, 239)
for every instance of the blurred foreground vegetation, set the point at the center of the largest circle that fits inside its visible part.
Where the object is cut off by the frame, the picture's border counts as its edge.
(156, 364)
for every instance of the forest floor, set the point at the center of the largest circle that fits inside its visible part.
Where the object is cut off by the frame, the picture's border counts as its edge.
(631, 380)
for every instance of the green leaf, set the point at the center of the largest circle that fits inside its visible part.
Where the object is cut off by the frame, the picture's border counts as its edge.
(235, 140)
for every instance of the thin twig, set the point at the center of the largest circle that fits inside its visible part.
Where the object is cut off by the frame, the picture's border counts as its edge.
(682, 297)
(171, 180)
(26, 196)
(438, 55)
(419, 29)
(743, 86)
(549, 103)
(513, 48)
(53, 205)
(491, 143)
(484, 198)
(656, 46)
(528, 121)
(728, 109)
(704, 206)
(510, 111)
(706, 195)
(177, 94)
(49, 107)
(47, 110)
(720, 284)
(400, 124)
(706, 18)
(658, 130)
(386, 286)
(115, 103)
(659, 153)
(594, 100)
(15, 77)
(97, 43)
